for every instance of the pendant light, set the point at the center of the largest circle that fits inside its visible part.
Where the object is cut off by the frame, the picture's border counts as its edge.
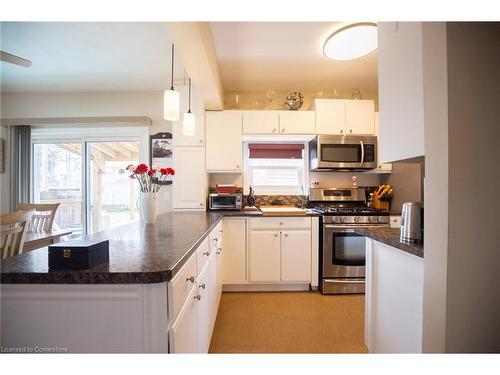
(188, 125)
(171, 99)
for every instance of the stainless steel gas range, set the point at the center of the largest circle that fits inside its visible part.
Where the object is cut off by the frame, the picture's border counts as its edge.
(342, 268)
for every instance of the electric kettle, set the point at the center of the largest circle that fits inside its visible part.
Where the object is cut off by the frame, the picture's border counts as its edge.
(412, 223)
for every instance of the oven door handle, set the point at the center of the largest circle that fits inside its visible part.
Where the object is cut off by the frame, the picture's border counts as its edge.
(349, 228)
(362, 153)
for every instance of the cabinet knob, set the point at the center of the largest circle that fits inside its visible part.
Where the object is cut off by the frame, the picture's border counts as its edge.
(190, 279)
(275, 235)
(201, 204)
(203, 286)
(281, 223)
(237, 166)
(286, 235)
(283, 130)
(201, 140)
(198, 297)
(274, 130)
(207, 253)
(350, 131)
(341, 131)
(217, 252)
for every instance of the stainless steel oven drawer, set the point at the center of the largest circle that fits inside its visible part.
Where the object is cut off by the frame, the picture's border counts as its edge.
(343, 286)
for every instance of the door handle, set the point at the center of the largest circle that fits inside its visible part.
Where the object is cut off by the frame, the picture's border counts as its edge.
(362, 153)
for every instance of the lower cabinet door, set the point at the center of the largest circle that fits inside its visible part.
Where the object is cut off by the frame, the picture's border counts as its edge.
(264, 254)
(296, 255)
(234, 250)
(183, 335)
(205, 302)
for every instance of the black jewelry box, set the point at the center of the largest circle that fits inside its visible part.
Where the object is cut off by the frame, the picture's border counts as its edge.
(78, 254)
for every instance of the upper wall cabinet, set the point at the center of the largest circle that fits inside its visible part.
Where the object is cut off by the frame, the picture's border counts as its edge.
(297, 122)
(400, 90)
(340, 117)
(260, 122)
(224, 150)
(278, 122)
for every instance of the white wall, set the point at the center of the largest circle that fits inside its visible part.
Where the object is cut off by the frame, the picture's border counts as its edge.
(94, 104)
(435, 188)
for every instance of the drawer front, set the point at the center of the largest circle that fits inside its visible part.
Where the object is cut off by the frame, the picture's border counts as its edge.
(182, 284)
(202, 254)
(280, 223)
(215, 237)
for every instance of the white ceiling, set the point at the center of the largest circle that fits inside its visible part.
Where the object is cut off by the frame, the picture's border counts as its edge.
(87, 56)
(286, 55)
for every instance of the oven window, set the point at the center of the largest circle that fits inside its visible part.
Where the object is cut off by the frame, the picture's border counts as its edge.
(222, 201)
(341, 153)
(348, 249)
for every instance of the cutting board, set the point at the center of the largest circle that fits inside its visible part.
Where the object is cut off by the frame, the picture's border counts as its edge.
(282, 210)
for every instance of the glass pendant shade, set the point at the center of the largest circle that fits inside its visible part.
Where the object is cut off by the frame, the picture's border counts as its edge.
(171, 105)
(189, 124)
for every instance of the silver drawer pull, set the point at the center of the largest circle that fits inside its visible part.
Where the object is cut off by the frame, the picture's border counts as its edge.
(207, 253)
(190, 279)
(203, 286)
(217, 252)
(198, 297)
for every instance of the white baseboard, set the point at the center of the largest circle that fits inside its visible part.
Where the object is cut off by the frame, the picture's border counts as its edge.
(264, 287)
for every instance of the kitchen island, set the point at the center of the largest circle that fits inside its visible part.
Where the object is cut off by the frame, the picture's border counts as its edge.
(159, 292)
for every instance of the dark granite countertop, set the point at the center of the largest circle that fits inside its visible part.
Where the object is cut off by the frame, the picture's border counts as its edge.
(390, 236)
(138, 253)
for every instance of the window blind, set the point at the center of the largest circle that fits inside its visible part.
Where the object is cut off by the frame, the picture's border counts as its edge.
(275, 151)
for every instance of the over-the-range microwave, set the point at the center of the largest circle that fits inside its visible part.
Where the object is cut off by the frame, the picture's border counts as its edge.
(343, 152)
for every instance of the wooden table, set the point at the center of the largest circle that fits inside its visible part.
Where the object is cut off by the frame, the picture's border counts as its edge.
(35, 240)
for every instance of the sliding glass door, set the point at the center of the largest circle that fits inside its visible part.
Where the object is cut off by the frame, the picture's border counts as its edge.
(112, 195)
(57, 178)
(87, 176)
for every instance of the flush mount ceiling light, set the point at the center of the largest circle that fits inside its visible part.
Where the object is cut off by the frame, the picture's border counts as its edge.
(171, 99)
(351, 42)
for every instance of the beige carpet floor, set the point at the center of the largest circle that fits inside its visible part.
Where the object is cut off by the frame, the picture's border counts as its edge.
(289, 322)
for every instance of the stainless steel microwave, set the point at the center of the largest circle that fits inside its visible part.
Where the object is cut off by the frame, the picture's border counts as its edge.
(225, 201)
(342, 152)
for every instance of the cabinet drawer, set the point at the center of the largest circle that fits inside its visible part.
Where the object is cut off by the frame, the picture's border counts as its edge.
(280, 223)
(202, 255)
(215, 237)
(182, 284)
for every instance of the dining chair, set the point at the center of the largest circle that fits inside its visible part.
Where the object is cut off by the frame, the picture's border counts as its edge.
(43, 218)
(13, 228)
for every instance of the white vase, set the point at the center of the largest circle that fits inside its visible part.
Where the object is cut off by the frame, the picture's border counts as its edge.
(147, 204)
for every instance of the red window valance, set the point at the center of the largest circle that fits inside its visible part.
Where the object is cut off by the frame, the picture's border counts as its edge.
(275, 151)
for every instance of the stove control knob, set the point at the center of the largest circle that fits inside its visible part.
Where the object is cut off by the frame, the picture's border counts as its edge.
(377, 219)
(356, 219)
(341, 219)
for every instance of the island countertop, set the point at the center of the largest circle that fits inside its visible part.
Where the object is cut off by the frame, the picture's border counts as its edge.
(138, 253)
(390, 236)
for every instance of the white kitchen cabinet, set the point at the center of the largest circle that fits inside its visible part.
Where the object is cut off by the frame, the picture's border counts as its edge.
(264, 256)
(401, 89)
(296, 255)
(297, 122)
(234, 250)
(189, 182)
(183, 335)
(393, 299)
(382, 167)
(330, 116)
(359, 117)
(260, 122)
(341, 117)
(224, 148)
(205, 299)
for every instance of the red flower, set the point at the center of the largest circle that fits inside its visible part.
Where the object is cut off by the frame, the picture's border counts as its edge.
(141, 168)
(167, 171)
(151, 172)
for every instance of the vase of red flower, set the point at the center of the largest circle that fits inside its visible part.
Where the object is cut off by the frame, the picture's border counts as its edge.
(150, 180)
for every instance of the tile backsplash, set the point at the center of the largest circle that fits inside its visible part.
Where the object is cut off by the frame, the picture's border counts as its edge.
(296, 200)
